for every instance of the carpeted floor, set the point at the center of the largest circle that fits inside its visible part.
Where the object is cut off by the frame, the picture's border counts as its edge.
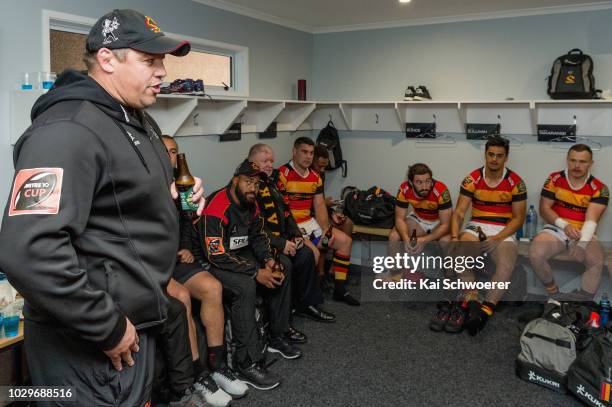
(383, 354)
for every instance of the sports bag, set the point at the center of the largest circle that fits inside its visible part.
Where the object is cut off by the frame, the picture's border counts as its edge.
(328, 137)
(549, 345)
(590, 376)
(571, 77)
(374, 207)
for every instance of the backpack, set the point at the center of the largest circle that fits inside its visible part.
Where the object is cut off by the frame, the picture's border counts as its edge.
(328, 137)
(590, 376)
(571, 77)
(549, 345)
(374, 207)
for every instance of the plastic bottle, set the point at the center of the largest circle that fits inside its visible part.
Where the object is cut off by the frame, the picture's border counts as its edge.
(531, 224)
(6, 294)
(604, 310)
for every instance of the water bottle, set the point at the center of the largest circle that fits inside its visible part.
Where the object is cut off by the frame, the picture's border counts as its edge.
(531, 223)
(6, 294)
(604, 310)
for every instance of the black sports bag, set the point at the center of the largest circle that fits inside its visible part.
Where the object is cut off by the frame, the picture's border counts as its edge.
(374, 207)
(571, 77)
(329, 138)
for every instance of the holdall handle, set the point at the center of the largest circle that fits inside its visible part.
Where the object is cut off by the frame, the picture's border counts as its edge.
(575, 50)
(331, 124)
(344, 166)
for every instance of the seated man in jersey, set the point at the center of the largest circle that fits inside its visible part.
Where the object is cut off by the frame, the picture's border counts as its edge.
(241, 258)
(432, 210)
(498, 197)
(572, 203)
(286, 238)
(303, 190)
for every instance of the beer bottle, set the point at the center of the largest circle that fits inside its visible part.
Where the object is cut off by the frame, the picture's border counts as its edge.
(481, 235)
(328, 235)
(413, 239)
(277, 269)
(184, 184)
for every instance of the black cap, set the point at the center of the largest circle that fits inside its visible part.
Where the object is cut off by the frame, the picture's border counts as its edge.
(250, 169)
(130, 29)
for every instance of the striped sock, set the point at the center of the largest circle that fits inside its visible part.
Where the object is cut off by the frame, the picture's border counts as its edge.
(488, 308)
(340, 267)
(551, 288)
(471, 296)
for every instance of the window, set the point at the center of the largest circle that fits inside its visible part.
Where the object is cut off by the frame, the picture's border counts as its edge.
(213, 69)
(217, 64)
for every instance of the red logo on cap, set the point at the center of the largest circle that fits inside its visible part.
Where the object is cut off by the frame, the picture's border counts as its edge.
(151, 24)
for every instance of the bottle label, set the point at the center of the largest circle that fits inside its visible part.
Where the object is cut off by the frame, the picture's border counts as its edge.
(186, 200)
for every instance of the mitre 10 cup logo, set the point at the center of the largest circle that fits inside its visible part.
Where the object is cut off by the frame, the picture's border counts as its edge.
(36, 191)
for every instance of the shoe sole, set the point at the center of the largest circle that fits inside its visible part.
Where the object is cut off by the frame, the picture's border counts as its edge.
(234, 396)
(422, 99)
(260, 387)
(408, 99)
(342, 300)
(273, 350)
(436, 328)
(326, 321)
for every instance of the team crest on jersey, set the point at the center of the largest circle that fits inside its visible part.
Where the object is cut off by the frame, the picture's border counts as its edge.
(446, 195)
(522, 188)
(36, 191)
(467, 181)
(604, 192)
(215, 245)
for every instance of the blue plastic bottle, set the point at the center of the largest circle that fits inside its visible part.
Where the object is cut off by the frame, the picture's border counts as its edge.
(531, 224)
(604, 310)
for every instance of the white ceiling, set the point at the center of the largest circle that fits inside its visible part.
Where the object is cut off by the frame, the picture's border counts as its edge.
(318, 16)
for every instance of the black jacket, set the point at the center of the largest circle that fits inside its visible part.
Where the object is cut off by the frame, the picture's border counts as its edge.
(279, 223)
(111, 247)
(234, 237)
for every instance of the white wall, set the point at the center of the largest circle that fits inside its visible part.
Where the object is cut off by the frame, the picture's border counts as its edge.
(481, 60)
(278, 56)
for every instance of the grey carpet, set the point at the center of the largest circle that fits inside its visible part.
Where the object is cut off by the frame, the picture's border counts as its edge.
(383, 354)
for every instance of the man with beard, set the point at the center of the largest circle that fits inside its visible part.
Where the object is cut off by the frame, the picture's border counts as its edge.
(498, 197)
(297, 258)
(303, 190)
(572, 202)
(432, 209)
(241, 258)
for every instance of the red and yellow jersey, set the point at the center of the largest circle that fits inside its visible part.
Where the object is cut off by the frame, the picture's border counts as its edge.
(427, 208)
(571, 204)
(299, 191)
(493, 204)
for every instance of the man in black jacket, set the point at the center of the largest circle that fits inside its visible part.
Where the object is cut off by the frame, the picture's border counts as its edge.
(90, 232)
(285, 236)
(240, 255)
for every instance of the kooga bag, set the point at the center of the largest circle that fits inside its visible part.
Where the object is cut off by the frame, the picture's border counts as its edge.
(374, 207)
(571, 77)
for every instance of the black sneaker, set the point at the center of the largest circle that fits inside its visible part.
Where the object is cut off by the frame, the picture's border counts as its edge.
(316, 314)
(456, 319)
(421, 93)
(259, 377)
(345, 297)
(409, 94)
(477, 318)
(295, 336)
(438, 322)
(281, 346)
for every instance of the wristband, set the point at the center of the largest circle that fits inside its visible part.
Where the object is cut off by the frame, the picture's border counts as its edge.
(561, 223)
(587, 232)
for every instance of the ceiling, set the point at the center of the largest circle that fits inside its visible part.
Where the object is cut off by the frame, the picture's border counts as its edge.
(318, 16)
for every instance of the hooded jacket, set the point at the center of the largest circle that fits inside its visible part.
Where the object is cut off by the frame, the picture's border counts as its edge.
(90, 232)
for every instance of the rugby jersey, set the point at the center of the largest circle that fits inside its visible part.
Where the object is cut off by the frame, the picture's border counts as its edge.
(571, 204)
(299, 191)
(493, 205)
(427, 208)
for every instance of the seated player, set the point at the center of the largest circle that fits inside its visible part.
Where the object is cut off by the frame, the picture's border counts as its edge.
(191, 279)
(297, 258)
(303, 191)
(241, 258)
(572, 202)
(498, 197)
(432, 210)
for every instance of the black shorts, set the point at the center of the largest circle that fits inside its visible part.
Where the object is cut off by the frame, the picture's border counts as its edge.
(184, 271)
